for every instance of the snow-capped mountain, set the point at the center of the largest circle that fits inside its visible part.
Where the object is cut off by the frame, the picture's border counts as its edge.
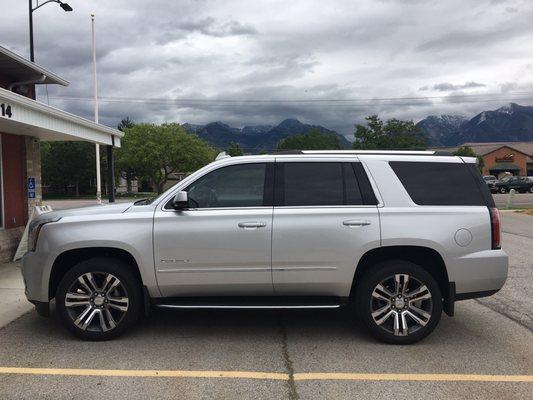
(510, 123)
(442, 130)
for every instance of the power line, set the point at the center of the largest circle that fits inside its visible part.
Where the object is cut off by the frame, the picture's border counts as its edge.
(467, 98)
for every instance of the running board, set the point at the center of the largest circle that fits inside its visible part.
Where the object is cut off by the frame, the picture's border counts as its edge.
(237, 306)
(244, 303)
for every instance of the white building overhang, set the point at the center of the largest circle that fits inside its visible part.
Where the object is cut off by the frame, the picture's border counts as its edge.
(31, 118)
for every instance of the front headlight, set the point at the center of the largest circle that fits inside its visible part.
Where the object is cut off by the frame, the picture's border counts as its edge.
(35, 229)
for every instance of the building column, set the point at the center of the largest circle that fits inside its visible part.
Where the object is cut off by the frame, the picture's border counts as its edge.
(110, 174)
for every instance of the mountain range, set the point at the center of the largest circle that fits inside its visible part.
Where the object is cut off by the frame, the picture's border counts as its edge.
(256, 138)
(510, 123)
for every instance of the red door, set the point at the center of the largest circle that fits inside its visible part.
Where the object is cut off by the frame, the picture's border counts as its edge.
(13, 174)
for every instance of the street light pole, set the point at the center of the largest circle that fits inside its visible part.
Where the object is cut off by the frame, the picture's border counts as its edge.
(32, 55)
(31, 9)
(95, 82)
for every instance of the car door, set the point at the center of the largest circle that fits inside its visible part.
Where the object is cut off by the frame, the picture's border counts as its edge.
(325, 219)
(220, 244)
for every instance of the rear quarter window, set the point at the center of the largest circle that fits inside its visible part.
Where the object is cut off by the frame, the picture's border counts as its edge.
(442, 184)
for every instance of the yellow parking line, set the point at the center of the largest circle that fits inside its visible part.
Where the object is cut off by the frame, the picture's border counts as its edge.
(411, 377)
(306, 376)
(145, 373)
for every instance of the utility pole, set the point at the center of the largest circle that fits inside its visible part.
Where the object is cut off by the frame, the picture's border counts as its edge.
(32, 55)
(98, 180)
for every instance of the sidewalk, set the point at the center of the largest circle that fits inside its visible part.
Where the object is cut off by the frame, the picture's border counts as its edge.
(13, 302)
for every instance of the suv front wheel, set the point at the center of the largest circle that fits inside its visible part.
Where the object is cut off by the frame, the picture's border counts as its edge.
(399, 302)
(99, 298)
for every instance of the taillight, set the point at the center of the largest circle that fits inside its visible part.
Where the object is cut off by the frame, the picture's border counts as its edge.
(495, 227)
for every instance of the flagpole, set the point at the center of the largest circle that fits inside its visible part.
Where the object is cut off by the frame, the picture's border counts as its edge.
(98, 180)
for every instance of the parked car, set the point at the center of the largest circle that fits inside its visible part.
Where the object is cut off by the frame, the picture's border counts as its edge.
(490, 180)
(315, 229)
(519, 183)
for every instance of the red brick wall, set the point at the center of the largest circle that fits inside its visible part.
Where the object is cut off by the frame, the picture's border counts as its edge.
(13, 166)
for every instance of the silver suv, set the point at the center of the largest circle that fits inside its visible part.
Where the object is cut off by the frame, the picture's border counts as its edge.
(312, 229)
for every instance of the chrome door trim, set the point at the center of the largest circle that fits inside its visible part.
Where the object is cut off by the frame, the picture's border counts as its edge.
(209, 270)
(304, 268)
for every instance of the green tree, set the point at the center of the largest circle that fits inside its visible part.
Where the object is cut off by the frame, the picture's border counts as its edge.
(312, 140)
(394, 134)
(235, 150)
(156, 151)
(125, 124)
(68, 164)
(466, 151)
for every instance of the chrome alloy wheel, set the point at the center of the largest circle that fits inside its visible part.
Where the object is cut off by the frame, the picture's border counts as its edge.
(401, 304)
(96, 301)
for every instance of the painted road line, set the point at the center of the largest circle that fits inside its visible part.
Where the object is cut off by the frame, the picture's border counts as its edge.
(146, 373)
(305, 376)
(411, 377)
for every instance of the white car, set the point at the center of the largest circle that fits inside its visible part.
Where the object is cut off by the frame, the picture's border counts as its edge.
(314, 229)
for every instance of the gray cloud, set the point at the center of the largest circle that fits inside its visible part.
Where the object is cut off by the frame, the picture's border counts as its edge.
(341, 61)
(447, 87)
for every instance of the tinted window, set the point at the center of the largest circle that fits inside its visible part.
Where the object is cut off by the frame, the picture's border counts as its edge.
(317, 184)
(438, 183)
(240, 185)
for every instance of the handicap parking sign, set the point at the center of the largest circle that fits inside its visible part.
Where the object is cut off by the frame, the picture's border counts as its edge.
(31, 183)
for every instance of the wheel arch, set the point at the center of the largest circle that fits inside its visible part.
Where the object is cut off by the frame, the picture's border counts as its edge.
(69, 258)
(426, 257)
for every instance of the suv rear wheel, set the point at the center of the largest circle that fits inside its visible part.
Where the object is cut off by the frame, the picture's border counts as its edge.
(502, 190)
(399, 302)
(99, 298)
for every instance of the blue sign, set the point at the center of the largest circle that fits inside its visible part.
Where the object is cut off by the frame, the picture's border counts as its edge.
(31, 195)
(31, 183)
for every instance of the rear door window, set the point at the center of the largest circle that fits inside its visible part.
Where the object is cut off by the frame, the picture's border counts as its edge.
(318, 184)
(442, 184)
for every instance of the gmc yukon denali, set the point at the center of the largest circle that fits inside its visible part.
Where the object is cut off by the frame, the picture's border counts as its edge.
(310, 229)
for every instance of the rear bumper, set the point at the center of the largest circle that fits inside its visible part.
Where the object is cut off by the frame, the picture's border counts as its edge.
(478, 272)
(475, 275)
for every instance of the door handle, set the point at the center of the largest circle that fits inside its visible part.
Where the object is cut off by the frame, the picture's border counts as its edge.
(356, 222)
(253, 224)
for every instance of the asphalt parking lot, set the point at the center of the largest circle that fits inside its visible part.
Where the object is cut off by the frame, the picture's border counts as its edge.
(485, 351)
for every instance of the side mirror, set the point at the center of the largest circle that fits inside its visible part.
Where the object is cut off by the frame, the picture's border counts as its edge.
(180, 200)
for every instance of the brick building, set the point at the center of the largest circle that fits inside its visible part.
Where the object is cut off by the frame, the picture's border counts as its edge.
(24, 122)
(515, 158)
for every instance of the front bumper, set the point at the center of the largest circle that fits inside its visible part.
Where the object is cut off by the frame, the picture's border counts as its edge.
(36, 276)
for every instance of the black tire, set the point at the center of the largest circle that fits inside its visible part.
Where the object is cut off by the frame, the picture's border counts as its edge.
(531, 189)
(128, 288)
(502, 190)
(365, 302)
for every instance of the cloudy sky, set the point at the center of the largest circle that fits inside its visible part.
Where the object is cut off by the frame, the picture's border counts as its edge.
(258, 62)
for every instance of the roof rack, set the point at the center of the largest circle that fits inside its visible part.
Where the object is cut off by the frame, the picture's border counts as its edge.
(371, 152)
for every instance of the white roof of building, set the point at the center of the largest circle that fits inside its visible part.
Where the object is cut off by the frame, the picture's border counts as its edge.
(19, 68)
(32, 118)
